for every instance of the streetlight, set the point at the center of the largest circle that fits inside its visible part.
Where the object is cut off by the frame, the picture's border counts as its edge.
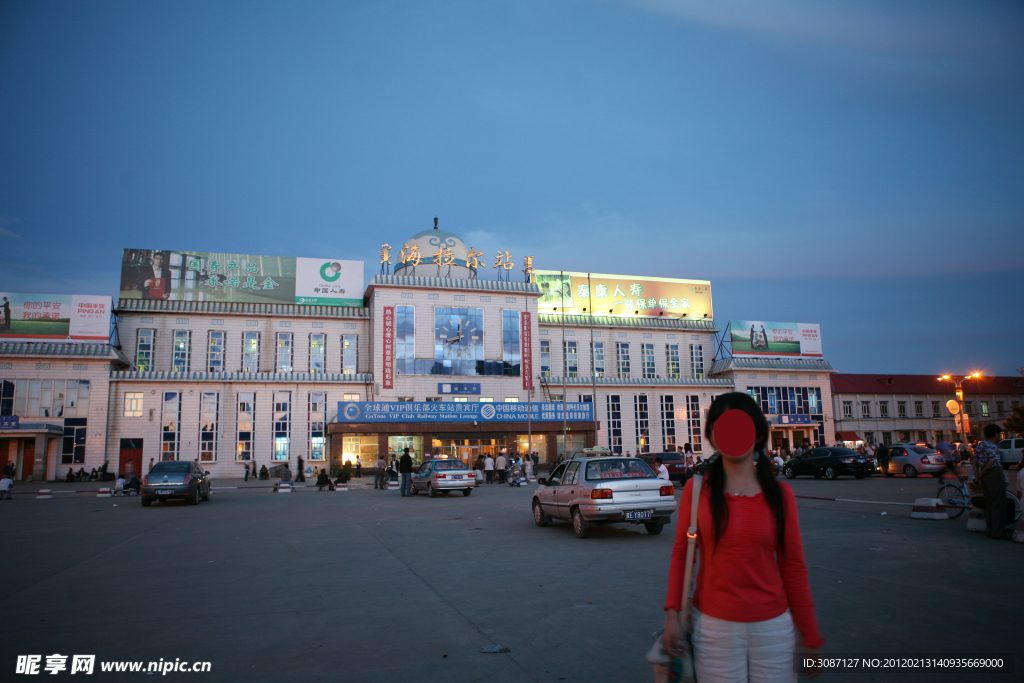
(960, 400)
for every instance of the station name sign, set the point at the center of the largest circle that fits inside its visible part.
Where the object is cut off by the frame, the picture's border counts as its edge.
(422, 411)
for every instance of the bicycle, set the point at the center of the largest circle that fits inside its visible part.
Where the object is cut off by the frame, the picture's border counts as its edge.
(956, 498)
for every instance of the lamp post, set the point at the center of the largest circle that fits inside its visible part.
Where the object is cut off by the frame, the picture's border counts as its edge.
(960, 399)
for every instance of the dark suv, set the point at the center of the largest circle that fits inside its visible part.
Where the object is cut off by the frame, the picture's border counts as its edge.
(673, 462)
(830, 463)
(176, 479)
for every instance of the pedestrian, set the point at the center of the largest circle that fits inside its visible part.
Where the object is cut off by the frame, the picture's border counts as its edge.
(264, 473)
(882, 457)
(285, 477)
(405, 469)
(527, 468)
(1020, 481)
(150, 465)
(6, 484)
(378, 474)
(659, 467)
(489, 468)
(359, 468)
(499, 465)
(246, 471)
(393, 469)
(988, 470)
(300, 476)
(752, 593)
(536, 460)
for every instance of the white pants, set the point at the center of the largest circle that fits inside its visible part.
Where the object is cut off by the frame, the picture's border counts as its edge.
(744, 652)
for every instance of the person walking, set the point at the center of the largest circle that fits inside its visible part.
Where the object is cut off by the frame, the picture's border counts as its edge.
(405, 468)
(499, 465)
(489, 469)
(378, 474)
(359, 468)
(536, 461)
(988, 470)
(246, 471)
(300, 474)
(752, 593)
(392, 470)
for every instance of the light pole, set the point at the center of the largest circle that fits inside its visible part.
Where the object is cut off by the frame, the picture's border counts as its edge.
(960, 399)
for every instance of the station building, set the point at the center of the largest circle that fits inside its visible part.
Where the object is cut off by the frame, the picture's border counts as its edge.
(193, 370)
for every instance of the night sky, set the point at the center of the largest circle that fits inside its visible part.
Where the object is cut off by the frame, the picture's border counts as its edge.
(855, 164)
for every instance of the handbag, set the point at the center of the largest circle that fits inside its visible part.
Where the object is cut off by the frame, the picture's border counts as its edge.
(667, 669)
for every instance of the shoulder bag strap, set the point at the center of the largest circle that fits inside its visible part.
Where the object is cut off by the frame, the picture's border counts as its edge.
(691, 545)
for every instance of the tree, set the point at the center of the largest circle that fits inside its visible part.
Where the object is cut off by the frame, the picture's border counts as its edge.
(1015, 423)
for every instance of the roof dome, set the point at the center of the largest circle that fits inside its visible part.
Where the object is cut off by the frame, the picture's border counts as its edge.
(430, 242)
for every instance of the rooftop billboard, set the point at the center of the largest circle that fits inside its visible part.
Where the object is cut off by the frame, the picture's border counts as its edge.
(763, 338)
(622, 295)
(54, 317)
(244, 278)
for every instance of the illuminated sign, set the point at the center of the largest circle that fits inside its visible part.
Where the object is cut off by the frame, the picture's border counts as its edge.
(763, 338)
(622, 295)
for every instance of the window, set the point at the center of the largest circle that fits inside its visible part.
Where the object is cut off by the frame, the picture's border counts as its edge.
(460, 399)
(170, 444)
(511, 355)
(354, 397)
(486, 400)
(847, 408)
(571, 359)
(144, 350)
(459, 342)
(73, 445)
(938, 436)
(133, 404)
(869, 437)
(283, 352)
(901, 408)
(614, 424)
(349, 354)
(317, 419)
(697, 360)
(693, 433)
(999, 408)
(883, 409)
(433, 399)
(984, 408)
(7, 397)
(622, 359)
(887, 438)
(922, 436)
(672, 361)
(209, 408)
(668, 423)
(865, 408)
(282, 424)
(545, 358)
(556, 398)
(246, 425)
(251, 352)
(647, 360)
(969, 407)
(406, 399)
(935, 409)
(512, 399)
(182, 350)
(918, 408)
(597, 358)
(317, 353)
(405, 340)
(215, 351)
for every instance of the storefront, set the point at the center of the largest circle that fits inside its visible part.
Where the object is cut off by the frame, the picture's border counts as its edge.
(33, 449)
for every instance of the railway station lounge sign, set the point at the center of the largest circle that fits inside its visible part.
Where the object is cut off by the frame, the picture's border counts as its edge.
(423, 411)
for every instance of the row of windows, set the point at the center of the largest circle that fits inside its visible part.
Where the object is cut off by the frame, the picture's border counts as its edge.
(623, 367)
(888, 438)
(690, 415)
(216, 352)
(919, 408)
(787, 400)
(44, 397)
(282, 417)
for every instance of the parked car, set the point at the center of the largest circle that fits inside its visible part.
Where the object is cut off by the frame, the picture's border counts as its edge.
(673, 461)
(591, 491)
(1012, 451)
(443, 476)
(175, 481)
(829, 462)
(913, 459)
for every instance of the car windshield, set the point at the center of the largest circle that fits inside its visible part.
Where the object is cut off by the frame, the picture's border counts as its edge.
(921, 450)
(176, 467)
(449, 465)
(624, 468)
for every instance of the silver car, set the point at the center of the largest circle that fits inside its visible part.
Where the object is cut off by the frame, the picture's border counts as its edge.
(912, 459)
(590, 491)
(1012, 452)
(443, 476)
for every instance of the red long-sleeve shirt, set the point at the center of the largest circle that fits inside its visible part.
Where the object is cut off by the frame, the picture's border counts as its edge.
(747, 577)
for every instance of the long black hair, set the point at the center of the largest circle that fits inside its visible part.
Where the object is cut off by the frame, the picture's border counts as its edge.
(716, 471)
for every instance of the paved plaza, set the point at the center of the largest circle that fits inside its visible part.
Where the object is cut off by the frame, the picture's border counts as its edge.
(366, 586)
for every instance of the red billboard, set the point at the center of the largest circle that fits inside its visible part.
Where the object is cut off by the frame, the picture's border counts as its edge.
(389, 347)
(527, 350)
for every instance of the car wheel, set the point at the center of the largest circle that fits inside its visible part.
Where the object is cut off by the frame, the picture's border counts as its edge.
(830, 472)
(580, 525)
(789, 472)
(146, 501)
(431, 492)
(860, 476)
(654, 528)
(910, 471)
(194, 500)
(539, 517)
(466, 492)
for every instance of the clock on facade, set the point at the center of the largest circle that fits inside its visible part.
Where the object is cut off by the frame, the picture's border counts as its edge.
(458, 338)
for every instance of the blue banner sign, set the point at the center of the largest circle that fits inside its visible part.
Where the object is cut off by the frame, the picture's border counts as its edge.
(794, 419)
(8, 421)
(421, 411)
(458, 387)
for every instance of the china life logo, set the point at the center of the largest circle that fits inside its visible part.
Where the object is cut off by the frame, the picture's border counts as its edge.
(330, 272)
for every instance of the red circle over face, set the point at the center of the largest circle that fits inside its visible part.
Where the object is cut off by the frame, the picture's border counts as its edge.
(734, 433)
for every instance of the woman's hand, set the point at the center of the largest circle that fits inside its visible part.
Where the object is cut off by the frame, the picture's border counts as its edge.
(811, 653)
(672, 638)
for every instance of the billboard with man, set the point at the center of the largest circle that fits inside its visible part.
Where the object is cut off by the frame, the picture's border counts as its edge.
(622, 295)
(54, 317)
(764, 338)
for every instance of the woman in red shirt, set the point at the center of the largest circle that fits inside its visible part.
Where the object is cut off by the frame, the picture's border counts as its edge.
(752, 594)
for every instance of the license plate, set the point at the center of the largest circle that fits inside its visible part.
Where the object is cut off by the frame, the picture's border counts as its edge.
(638, 514)
(164, 492)
(456, 476)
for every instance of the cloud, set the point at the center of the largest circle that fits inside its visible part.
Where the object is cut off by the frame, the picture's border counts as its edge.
(9, 234)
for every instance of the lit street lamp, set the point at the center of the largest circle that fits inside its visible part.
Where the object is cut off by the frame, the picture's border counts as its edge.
(960, 400)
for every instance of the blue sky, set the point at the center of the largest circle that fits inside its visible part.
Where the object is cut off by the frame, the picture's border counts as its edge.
(857, 164)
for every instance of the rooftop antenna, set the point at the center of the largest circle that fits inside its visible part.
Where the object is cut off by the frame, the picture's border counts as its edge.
(435, 222)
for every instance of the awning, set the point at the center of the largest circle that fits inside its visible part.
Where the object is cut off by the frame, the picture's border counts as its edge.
(848, 436)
